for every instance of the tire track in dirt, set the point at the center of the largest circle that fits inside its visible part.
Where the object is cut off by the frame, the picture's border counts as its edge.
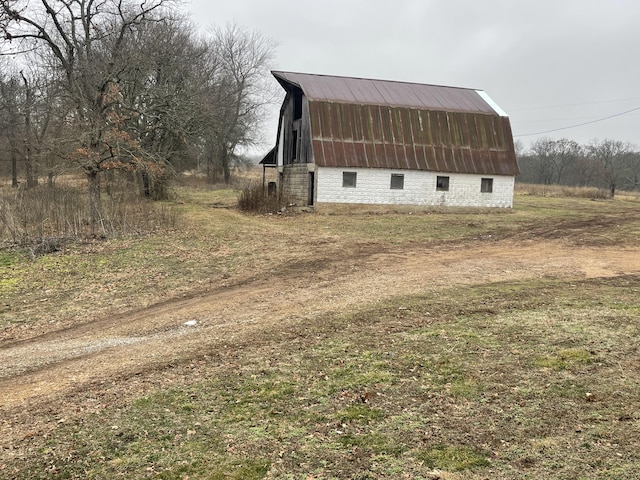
(43, 368)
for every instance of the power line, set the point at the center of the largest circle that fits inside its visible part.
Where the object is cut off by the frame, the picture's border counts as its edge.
(579, 124)
(564, 105)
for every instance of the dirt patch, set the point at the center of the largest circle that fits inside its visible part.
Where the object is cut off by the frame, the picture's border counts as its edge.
(582, 230)
(59, 363)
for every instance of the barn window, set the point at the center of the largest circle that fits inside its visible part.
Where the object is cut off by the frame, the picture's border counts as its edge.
(349, 179)
(442, 184)
(397, 181)
(486, 185)
(297, 105)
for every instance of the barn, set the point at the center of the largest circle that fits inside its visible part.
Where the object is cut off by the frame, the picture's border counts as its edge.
(345, 140)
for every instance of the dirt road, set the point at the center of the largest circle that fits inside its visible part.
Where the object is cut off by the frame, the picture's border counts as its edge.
(43, 370)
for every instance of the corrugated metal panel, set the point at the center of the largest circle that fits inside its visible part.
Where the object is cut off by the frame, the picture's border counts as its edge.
(384, 92)
(381, 124)
(403, 138)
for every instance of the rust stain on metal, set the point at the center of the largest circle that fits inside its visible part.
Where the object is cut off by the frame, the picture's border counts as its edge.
(395, 125)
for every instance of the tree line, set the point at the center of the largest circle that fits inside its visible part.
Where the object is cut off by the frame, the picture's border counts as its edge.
(608, 164)
(125, 88)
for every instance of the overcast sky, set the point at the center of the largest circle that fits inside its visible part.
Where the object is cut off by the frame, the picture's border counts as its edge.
(549, 64)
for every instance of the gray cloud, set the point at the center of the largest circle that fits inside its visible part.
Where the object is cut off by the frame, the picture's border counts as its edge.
(549, 64)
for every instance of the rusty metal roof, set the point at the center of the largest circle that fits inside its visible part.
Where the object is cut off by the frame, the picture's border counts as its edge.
(384, 124)
(365, 91)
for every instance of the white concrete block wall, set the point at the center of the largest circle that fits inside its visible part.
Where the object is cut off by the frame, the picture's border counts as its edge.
(373, 187)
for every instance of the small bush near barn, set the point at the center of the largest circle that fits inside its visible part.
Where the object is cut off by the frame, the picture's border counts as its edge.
(257, 198)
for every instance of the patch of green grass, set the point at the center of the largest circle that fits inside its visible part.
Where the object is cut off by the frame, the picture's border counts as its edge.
(9, 258)
(372, 442)
(11, 273)
(210, 197)
(240, 470)
(454, 458)
(359, 413)
(170, 434)
(447, 391)
(565, 359)
(8, 284)
(466, 388)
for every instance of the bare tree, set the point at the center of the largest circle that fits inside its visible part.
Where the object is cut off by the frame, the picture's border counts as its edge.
(25, 120)
(584, 172)
(28, 139)
(566, 154)
(632, 180)
(239, 62)
(162, 98)
(519, 148)
(552, 160)
(85, 40)
(10, 120)
(612, 157)
(543, 155)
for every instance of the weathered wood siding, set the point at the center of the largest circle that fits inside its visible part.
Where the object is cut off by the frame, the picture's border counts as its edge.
(296, 133)
(297, 154)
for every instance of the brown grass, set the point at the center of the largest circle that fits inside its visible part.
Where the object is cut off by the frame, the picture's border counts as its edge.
(42, 217)
(505, 378)
(562, 191)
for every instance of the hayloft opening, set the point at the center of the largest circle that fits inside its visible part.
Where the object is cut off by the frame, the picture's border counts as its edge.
(297, 105)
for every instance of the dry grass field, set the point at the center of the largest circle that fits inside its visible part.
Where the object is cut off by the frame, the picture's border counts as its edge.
(353, 345)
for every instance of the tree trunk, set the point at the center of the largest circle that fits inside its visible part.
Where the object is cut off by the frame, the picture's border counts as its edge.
(214, 167)
(14, 168)
(160, 188)
(224, 157)
(146, 184)
(95, 203)
(32, 179)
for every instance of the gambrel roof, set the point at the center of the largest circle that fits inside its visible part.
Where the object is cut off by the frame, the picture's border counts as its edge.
(358, 122)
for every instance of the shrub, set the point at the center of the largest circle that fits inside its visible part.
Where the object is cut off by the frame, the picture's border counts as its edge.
(257, 198)
(42, 218)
